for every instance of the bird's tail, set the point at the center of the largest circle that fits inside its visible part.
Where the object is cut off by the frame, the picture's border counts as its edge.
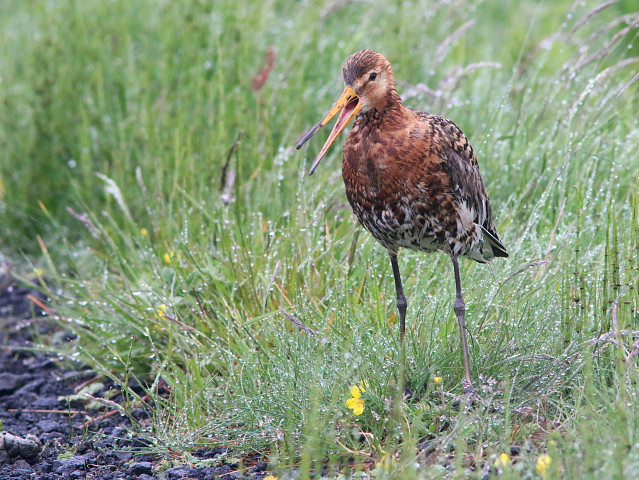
(489, 247)
(492, 245)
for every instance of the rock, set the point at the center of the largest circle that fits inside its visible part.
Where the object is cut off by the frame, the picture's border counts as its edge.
(31, 387)
(43, 467)
(124, 456)
(204, 453)
(138, 443)
(148, 457)
(48, 426)
(260, 467)
(14, 448)
(69, 465)
(46, 403)
(135, 387)
(19, 402)
(77, 474)
(10, 382)
(176, 473)
(42, 363)
(224, 470)
(140, 413)
(118, 432)
(30, 448)
(21, 472)
(140, 468)
(62, 337)
(208, 473)
(51, 437)
(85, 447)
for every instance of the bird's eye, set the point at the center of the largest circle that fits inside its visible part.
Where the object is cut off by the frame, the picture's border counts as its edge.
(372, 77)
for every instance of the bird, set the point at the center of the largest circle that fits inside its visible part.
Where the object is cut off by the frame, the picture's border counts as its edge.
(411, 178)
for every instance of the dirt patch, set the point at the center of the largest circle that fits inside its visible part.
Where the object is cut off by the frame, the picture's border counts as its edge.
(37, 400)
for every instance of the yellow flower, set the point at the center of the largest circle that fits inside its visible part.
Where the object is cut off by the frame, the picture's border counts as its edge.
(161, 310)
(144, 232)
(502, 461)
(270, 477)
(386, 463)
(543, 462)
(438, 380)
(356, 403)
(170, 255)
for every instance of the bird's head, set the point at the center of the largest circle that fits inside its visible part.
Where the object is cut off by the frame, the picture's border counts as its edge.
(369, 82)
(370, 77)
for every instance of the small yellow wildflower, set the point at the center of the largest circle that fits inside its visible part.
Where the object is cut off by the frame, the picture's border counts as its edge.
(356, 403)
(386, 463)
(438, 380)
(170, 255)
(503, 460)
(543, 462)
(270, 477)
(161, 310)
(144, 232)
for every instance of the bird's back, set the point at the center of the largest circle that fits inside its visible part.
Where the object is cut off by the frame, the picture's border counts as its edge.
(413, 181)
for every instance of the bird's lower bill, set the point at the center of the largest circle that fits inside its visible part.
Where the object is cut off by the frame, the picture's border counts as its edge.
(348, 105)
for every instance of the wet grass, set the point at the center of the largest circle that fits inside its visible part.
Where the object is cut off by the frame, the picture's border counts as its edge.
(179, 235)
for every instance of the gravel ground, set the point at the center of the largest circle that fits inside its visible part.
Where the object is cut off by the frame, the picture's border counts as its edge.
(35, 409)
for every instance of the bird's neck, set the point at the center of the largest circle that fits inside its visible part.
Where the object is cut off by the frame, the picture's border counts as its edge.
(388, 113)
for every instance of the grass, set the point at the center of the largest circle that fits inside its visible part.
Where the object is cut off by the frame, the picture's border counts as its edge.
(175, 227)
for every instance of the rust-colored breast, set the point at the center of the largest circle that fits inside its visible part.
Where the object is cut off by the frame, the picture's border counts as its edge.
(412, 180)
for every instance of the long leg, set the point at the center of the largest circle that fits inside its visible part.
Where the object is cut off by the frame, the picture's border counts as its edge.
(460, 311)
(401, 299)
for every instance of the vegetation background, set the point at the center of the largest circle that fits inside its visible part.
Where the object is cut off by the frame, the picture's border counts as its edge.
(147, 177)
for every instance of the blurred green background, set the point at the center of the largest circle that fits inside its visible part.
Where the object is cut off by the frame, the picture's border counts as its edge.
(147, 177)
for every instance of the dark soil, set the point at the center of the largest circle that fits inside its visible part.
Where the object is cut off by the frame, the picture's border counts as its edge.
(34, 391)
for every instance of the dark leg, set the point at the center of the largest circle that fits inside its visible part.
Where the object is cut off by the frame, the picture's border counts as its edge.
(401, 299)
(460, 311)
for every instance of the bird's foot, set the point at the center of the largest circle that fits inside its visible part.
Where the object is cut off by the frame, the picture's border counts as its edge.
(470, 398)
(408, 393)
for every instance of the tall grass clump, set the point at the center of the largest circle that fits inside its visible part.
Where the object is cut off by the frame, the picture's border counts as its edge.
(149, 147)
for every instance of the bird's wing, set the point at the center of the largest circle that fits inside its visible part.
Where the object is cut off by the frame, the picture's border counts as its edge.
(468, 188)
(470, 192)
(460, 164)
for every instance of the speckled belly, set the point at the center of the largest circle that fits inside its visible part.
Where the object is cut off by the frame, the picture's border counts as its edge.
(415, 226)
(397, 226)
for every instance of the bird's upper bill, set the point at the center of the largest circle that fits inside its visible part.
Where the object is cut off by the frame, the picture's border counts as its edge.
(368, 78)
(350, 105)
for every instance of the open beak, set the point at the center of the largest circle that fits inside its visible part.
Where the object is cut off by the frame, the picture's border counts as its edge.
(350, 105)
